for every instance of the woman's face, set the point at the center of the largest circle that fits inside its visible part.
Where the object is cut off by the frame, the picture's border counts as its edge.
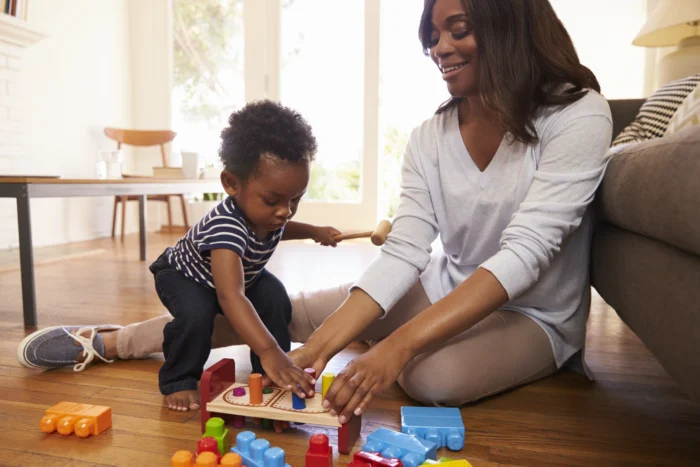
(453, 47)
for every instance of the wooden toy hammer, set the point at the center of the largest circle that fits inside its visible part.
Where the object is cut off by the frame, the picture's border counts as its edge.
(377, 236)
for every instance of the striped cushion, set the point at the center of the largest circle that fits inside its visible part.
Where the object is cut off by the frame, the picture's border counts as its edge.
(655, 114)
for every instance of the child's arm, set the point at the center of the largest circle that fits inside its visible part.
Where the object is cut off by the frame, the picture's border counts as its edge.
(301, 231)
(227, 270)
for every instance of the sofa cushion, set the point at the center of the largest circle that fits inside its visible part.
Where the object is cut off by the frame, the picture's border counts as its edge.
(653, 117)
(653, 189)
(654, 289)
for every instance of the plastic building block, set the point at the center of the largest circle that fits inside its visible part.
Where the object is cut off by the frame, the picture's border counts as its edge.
(442, 460)
(231, 459)
(410, 450)
(445, 462)
(207, 444)
(181, 459)
(326, 380)
(255, 388)
(319, 454)
(207, 459)
(355, 463)
(442, 426)
(83, 419)
(373, 459)
(217, 430)
(257, 452)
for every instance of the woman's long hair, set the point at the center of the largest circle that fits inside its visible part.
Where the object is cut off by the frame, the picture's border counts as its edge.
(525, 57)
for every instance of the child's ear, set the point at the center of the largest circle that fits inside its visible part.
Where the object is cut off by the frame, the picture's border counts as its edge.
(232, 186)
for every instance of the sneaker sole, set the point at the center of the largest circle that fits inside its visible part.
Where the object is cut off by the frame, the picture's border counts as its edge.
(21, 359)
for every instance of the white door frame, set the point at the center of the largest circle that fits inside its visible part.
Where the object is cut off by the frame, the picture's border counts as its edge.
(262, 64)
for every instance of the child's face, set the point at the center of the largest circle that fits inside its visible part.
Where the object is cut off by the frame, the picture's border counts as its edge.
(270, 197)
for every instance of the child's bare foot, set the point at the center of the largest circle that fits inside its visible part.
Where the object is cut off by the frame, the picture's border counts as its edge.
(182, 401)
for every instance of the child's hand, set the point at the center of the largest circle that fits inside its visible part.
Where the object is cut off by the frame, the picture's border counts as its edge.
(282, 371)
(324, 236)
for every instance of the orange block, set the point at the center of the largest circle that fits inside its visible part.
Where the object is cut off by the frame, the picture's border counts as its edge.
(255, 388)
(206, 459)
(181, 459)
(82, 419)
(231, 459)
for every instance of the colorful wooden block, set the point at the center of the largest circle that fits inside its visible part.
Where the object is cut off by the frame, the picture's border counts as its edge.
(82, 419)
(216, 391)
(216, 429)
(257, 452)
(410, 450)
(442, 426)
(326, 381)
(319, 454)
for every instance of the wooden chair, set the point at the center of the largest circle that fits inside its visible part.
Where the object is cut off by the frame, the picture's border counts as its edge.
(144, 138)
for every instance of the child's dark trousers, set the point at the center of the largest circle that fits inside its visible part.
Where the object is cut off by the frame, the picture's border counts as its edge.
(187, 338)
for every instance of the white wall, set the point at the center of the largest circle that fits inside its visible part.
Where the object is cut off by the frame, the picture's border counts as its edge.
(72, 85)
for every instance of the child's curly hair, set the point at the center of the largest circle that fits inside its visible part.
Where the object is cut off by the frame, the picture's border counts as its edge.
(265, 127)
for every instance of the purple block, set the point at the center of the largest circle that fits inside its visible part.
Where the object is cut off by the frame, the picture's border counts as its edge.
(238, 392)
(238, 421)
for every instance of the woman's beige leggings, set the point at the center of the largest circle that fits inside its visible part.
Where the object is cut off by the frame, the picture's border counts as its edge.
(504, 350)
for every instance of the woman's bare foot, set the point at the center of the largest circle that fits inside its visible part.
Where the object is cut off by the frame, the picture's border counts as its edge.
(182, 401)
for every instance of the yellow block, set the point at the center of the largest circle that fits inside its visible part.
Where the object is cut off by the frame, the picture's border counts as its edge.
(457, 463)
(326, 383)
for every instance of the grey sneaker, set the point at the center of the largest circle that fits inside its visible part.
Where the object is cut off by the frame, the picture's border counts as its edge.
(61, 346)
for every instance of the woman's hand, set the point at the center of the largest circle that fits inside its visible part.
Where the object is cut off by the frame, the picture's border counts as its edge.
(363, 378)
(324, 236)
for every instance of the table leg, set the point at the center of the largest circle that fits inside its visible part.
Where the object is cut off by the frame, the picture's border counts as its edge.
(143, 245)
(26, 259)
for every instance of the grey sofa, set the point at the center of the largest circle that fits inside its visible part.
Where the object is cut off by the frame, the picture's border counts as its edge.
(645, 260)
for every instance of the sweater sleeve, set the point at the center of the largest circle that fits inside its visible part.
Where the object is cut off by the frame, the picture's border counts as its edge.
(406, 252)
(574, 155)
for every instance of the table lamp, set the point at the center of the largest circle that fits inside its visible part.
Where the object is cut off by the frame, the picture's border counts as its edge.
(674, 23)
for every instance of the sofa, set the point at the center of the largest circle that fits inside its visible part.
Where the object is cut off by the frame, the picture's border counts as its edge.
(645, 258)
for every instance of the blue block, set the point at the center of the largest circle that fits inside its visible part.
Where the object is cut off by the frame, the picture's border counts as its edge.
(257, 452)
(443, 426)
(410, 450)
(297, 402)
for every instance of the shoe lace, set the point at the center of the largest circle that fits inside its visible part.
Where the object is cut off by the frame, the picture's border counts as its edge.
(89, 351)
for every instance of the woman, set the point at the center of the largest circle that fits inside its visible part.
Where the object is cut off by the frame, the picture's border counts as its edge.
(504, 172)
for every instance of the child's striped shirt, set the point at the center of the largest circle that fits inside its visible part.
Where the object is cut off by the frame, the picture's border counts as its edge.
(224, 227)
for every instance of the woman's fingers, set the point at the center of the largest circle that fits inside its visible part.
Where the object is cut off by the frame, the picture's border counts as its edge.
(363, 389)
(337, 393)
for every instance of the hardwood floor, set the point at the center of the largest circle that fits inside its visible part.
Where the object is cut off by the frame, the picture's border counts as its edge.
(632, 415)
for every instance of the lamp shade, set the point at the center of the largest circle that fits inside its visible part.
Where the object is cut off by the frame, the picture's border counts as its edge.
(669, 23)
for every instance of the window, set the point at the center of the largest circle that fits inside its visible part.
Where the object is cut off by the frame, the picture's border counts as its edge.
(322, 76)
(208, 79)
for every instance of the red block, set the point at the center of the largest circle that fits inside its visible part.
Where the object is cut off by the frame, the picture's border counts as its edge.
(319, 454)
(358, 464)
(208, 444)
(375, 460)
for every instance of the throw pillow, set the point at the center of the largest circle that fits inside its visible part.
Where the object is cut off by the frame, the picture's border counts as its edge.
(654, 116)
(687, 115)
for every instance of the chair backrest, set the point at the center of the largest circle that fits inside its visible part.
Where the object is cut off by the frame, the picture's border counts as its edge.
(142, 138)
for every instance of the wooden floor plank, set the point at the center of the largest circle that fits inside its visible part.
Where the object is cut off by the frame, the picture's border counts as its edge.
(633, 414)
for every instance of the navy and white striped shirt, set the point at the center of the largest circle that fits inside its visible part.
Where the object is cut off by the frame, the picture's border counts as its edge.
(224, 227)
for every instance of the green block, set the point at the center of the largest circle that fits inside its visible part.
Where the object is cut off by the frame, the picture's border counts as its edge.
(215, 428)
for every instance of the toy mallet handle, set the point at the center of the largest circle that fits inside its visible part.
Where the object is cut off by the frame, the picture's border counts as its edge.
(377, 236)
